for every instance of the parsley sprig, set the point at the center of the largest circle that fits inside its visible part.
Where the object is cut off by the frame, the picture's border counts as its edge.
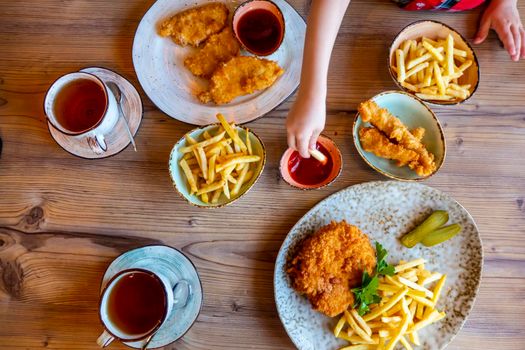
(367, 294)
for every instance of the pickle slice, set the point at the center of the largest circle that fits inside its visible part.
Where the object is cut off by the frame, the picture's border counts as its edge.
(441, 235)
(437, 219)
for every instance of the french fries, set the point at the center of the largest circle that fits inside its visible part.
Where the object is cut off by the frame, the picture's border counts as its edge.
(212, 167)
(428, 68)
(407, 305)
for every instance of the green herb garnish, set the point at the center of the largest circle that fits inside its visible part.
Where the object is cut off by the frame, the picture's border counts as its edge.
(367, 294)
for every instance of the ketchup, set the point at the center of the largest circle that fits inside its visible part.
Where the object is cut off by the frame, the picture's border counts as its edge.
(310, 171)
(260, 31)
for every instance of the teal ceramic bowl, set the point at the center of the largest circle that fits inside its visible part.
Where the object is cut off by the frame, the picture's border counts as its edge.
(179, 180)
(413, 113)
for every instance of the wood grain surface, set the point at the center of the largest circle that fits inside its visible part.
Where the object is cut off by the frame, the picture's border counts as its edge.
(63, 219)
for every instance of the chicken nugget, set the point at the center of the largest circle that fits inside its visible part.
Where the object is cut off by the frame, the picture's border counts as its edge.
(218, 48)
(372, 140)
(242, 75)
(193, 26)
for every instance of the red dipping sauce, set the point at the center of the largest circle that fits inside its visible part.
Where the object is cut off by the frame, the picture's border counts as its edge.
(310, 171)
(260, 31)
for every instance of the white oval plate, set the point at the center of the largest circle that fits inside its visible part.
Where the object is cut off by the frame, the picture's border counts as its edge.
(385, 211)
(171, 87)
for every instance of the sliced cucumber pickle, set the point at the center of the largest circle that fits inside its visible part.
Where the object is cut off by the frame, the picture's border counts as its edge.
(437, 219)
(441, 235)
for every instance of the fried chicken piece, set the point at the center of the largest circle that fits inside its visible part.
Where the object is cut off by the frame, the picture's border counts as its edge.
(418, 133)
(242, 75)
(193, 26)
(329, 264)
(374, 141)
(218, 48)
(394, 129)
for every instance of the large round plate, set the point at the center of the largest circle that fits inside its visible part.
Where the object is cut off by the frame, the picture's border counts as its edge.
(385, 211)
(159, 66)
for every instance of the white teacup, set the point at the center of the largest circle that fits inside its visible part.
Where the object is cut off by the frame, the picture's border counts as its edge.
(175, 297)
(103, 119)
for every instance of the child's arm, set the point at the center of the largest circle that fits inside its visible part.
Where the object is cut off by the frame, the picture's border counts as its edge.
(307, 116)
(504, 18)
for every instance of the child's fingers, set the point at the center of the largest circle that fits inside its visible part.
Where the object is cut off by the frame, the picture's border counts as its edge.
(313, 139)
(302, 146)
(506, 37)
(483, 30)
(517, 42)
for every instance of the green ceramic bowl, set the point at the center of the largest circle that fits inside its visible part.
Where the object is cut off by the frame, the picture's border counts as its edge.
(413, 113)
(179, 180)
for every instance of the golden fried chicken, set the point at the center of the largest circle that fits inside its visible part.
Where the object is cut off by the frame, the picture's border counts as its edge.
(242, 75)
(376, 142)
(329, 264)
(394, 129)
(193, 26)
(218, 48)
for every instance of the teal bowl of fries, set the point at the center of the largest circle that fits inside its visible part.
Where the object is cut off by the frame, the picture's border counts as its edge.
(415, 115)
(232, 166)
(434, 62)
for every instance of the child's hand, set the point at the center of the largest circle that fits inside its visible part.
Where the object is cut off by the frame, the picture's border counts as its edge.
(504, 18)
(305, 122)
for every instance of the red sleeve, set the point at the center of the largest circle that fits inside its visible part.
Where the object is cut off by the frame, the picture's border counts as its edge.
(443, 5)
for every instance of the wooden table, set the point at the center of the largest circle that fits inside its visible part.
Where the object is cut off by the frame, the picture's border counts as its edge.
(63, 219)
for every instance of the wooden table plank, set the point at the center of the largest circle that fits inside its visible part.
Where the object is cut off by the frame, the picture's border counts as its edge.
(63, 219)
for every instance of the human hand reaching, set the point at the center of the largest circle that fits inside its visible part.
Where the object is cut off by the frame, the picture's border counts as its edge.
(305, 122)
(504, 18)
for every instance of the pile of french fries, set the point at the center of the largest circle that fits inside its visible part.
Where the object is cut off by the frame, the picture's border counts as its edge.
(407, 305)
(219, 164)
(431, 69)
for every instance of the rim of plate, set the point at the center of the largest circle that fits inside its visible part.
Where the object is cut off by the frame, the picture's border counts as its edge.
(256, 116)
(373, 183)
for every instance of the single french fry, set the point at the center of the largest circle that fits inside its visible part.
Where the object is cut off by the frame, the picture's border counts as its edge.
(231, 132)
(237, 160)
(353, 324)
(405, 47)
(211, 187)
(189, 175)
(204, 197)
(430, 41)
(439, 78)
(378, 311)
(411, 64)
(392, 319)
(423, 301)
(412, 52)
(420, 310)
(460, 53)
(450, 55)
(415, 286)
(339, 326)
(189, 140)
(400, 64)
(408, 265)
(248, 142)
(358, 347)
(405, 343)
(361, 322)
(414, 338)
(438, 288)
(433, 90)
(395, 339)
(433, 51)
(206, 135)
(465, 65)
(211, 168)
(409, 86)
(417, 68)
(202, 144)
(216, 195)
(461, 94)
(318, 155)
(203, 162)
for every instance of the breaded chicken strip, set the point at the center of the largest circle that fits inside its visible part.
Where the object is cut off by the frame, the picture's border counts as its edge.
(374, 141)
(193, 26)
(329, 264)
(242, 75)
(393, 128)
(218, 48)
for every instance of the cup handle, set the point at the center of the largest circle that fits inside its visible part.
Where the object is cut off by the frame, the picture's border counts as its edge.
(105, 339)
(97, 143)
(181, 294)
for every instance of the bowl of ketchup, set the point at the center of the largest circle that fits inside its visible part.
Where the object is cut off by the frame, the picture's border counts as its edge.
(310, 173)
(259, 26)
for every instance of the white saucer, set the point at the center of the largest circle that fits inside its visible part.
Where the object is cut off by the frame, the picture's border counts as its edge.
(118, 139)
(174, 265)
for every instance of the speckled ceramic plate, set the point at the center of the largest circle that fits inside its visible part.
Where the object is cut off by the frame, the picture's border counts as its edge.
(385, 211)
(174, 265)
(171, 87)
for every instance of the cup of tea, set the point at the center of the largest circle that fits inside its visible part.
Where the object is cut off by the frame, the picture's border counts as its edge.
(135, 304)
(80, 104)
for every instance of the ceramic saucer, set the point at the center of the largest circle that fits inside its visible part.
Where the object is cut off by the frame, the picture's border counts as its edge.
(174, 265)
(118, 139)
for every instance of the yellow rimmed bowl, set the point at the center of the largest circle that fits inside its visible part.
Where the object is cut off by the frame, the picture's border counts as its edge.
(413, 112)
(181, 184)
(436, 30)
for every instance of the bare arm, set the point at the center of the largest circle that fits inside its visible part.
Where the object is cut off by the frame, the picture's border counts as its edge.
(307, 116)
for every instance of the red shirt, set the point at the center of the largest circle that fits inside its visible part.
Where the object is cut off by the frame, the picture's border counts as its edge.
(440, 5)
